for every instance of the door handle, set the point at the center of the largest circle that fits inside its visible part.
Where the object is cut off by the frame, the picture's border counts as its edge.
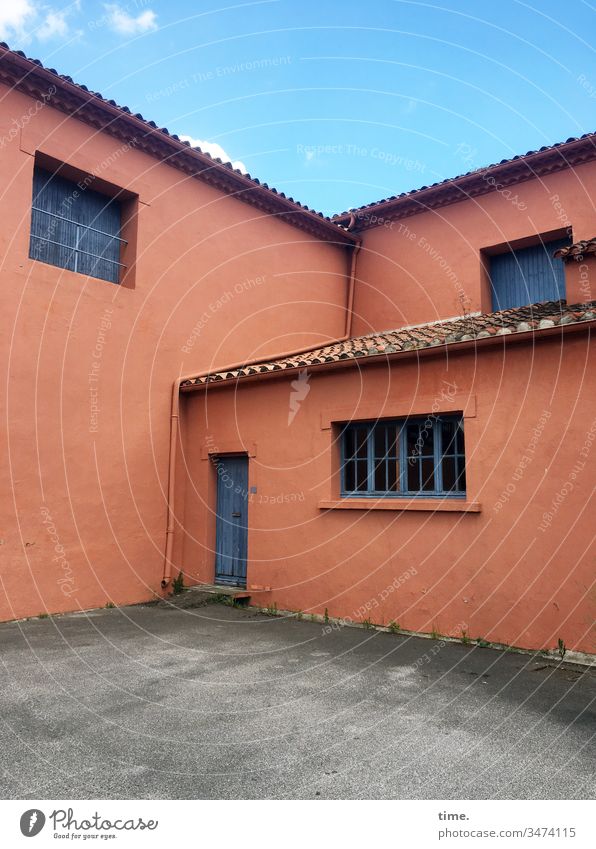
(236, 515)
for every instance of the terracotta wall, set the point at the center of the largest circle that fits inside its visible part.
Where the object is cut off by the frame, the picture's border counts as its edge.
(90, 365)
(423, 268)
(514, 565)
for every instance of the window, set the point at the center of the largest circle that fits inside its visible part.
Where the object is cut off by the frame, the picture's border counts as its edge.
(75, 228)
(407, 457)
(527, 276)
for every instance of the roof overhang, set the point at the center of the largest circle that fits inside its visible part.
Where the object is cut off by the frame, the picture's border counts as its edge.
(481, 182)
(443, 350)
(30, 77)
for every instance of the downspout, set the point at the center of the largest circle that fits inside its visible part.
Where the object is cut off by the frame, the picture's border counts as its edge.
(175, 409)
(351, 288)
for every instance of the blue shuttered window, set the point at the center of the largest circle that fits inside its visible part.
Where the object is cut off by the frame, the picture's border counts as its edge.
(75, 228)
(406, 457)
(527, 276)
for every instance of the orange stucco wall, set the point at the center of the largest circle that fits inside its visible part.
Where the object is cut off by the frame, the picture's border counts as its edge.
(425, 267)
(89, 366)
(508, 573)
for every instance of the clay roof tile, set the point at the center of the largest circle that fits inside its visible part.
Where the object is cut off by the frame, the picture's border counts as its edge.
(578, 250)
(534, 317)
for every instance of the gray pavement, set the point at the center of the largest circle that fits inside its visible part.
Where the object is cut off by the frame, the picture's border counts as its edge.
(216, 702)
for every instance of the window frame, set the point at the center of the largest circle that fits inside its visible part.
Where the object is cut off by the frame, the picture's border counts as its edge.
(436, 419)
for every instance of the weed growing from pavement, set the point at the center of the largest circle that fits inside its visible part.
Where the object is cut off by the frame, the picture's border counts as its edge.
(221, 598)
(178, 584)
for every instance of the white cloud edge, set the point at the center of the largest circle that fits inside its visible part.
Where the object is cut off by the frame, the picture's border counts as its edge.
(25, 20)
(15, 18)
(216, 151)
(124, 24)
(54, 24)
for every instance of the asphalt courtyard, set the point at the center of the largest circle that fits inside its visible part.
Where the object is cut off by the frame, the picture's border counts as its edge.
(217, 702)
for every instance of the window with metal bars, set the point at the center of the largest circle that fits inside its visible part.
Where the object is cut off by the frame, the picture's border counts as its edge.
(404, 457)
(75, 228)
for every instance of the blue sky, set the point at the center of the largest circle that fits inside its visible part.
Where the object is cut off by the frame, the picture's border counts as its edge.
(336, 103)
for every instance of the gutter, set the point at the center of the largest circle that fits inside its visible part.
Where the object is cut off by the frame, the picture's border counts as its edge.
(175, 410)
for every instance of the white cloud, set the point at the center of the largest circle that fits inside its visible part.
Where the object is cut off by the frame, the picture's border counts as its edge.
(216, 150)
(120, 21)
(54, 24)
(16, 18)
(22, 20)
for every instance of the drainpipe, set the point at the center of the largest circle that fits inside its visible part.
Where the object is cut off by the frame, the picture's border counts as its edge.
(351, 288)
(175, 410)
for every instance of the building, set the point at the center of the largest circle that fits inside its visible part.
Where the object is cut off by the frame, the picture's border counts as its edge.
(387, 417)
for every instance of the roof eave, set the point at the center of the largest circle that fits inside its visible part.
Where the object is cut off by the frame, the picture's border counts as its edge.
(33, 79)
(506, 174)
(435, 350)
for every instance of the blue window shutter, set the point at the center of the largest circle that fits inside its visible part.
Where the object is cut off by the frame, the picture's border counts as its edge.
(53, 235)
(75, 227)
(527, 276)
(100, 214)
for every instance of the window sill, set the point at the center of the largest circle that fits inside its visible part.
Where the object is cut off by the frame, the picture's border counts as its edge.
(432, 505)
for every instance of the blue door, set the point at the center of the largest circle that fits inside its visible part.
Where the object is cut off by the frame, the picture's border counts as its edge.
(231, 533)
(527, 276)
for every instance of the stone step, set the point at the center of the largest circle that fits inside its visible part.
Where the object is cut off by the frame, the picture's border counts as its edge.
(203, 594)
